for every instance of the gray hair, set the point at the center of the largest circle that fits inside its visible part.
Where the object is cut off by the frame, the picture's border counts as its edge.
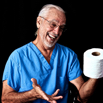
(45, 9)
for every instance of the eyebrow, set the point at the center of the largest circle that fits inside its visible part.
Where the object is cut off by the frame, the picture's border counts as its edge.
(58, 22)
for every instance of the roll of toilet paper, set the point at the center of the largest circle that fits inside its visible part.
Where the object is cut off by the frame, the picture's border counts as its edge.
(93, 63)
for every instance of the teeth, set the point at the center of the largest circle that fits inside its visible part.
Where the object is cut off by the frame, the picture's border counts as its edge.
(52, 36)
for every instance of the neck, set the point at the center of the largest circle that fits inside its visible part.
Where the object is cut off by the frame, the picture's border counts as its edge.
(46, 51)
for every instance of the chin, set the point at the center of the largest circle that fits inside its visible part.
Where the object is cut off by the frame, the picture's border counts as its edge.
(50, 45)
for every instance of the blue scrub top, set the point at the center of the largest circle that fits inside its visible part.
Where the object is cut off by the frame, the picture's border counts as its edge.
(27, 62)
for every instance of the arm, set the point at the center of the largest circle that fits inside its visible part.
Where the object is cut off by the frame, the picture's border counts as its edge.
(9, 95)
(86, 89)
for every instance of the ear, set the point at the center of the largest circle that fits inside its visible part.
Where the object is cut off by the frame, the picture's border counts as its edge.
(38, 22)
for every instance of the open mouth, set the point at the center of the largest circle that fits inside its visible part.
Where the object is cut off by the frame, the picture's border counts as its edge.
(52, 36)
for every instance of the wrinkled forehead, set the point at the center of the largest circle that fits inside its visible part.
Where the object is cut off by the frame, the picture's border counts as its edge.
(57, 16)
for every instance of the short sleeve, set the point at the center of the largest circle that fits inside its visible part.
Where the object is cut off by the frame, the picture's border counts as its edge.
(75, 70)
(12, 72)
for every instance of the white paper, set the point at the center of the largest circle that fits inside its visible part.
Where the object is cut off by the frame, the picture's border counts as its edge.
(93, 64)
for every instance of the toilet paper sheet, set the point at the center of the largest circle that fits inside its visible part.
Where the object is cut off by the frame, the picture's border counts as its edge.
(93, 63)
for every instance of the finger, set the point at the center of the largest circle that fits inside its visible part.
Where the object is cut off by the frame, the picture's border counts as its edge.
(42, 93)
(53, 99)
(53, 102)
(56, 92)
(58, 97)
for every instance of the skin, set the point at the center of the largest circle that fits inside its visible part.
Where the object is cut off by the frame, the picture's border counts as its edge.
(46, 45)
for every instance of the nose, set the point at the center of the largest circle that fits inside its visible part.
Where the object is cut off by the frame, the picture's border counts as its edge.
(56, 30)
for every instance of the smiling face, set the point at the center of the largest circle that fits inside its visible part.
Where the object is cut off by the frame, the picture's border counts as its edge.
(50, 27)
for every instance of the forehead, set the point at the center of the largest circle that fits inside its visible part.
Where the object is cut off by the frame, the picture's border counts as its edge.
(56, 15)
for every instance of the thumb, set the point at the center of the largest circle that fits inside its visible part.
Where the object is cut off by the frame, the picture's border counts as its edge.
(34, 81)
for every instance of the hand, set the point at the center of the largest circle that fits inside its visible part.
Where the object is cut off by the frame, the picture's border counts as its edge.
(50, 98)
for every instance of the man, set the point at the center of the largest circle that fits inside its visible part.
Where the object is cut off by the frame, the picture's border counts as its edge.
(39, 71)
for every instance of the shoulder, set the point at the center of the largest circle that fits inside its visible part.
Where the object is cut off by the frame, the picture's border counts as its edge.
(65, 50)
(19, 51)
(23, 48)
(68, 54)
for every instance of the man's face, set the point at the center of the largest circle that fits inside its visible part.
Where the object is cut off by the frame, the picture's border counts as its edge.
(51, 27)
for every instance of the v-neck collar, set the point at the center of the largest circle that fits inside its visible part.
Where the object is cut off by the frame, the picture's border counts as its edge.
(42, 58)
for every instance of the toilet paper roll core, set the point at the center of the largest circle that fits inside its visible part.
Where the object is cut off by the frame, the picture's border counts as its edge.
(95, 53)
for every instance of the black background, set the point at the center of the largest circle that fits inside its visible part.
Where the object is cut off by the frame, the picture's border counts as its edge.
(84, 26)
